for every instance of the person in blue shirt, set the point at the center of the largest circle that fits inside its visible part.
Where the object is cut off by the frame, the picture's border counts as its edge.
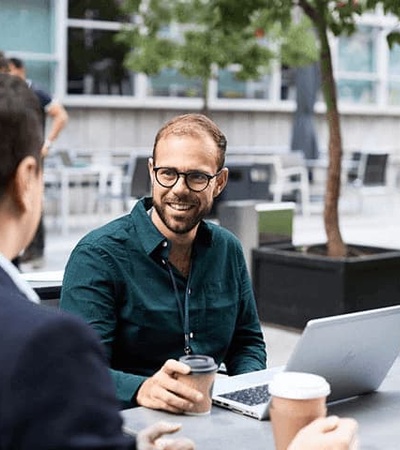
(52, 108)
(161, 281)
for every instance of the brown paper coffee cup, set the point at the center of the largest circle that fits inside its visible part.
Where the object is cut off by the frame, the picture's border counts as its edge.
(201, 378)
(297, 399)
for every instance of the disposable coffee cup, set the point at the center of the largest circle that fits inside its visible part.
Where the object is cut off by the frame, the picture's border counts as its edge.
(297, 399)
(201, 378)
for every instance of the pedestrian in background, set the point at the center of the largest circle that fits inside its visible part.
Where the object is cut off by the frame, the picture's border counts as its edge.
(50, 107)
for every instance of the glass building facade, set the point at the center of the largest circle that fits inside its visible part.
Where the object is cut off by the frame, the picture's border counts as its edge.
(69, 48)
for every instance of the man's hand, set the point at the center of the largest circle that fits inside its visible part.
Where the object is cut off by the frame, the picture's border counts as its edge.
(151, 438)
(164, 391)
(329, 433)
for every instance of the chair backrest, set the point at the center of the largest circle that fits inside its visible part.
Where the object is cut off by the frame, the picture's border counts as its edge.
(352, 173)
(140, 180)
(293, 159)
(247, 182)
(288, 169)
(372, 169)
(66, 158)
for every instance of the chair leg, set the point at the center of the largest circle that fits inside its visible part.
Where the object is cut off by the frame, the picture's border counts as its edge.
(278, 192)
(305, 197)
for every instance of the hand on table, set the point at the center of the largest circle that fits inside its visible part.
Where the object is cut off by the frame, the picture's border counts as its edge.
(328, 433)
(164, 391)
(151, 438)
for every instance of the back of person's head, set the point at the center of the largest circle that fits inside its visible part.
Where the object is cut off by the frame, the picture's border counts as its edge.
(4, 63)
(194, 125)
(20, 127)
(17, 62)
(17, 67)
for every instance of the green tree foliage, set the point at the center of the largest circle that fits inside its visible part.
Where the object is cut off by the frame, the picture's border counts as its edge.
(389, 7)
(214, 34)
(223, 32)
(336, 17)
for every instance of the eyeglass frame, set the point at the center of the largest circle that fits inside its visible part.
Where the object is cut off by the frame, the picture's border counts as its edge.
(185, 175)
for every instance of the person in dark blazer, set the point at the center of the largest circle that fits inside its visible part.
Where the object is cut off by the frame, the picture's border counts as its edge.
(55, 388)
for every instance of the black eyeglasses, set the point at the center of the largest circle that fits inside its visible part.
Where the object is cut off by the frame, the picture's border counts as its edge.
(196, 181)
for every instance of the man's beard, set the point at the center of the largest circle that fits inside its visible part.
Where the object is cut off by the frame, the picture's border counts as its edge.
(181, 225)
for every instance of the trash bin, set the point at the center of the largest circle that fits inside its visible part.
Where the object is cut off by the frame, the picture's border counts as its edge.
(240, 217)
(275, 223)
(246, 182)
(257, 223)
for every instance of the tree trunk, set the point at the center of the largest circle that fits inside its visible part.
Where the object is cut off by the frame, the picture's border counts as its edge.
(335, 244)
(205, 110)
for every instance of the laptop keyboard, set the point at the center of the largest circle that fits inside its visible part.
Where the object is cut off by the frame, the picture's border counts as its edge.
(249, 396)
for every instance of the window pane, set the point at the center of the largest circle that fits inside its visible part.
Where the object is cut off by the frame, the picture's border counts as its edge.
(394, 61)
(96, 10)
(394, 93)
(394, 76)
(170, 83)
(357, 56)
(288, 85)
(357, 53)
(41, 73)
(230, 87)
(356, 91)
(95, 64)
(27, 25)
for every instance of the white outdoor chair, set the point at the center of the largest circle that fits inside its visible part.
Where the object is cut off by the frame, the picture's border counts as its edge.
(289, 174)
(136, 181)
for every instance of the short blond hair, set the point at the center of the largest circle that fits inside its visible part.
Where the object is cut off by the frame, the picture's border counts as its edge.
(194, 125)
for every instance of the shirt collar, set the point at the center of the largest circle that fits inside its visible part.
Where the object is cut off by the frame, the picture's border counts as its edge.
(15, 276)
(149, 235)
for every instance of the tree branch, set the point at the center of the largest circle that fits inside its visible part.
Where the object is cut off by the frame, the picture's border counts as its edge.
(308, 10)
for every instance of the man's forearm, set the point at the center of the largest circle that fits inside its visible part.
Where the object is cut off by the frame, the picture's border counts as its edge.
(59, 119)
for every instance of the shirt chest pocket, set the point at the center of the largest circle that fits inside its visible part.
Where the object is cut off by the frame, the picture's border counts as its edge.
(221, 308)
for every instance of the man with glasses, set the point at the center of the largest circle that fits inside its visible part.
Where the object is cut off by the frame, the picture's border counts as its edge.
(161, 281)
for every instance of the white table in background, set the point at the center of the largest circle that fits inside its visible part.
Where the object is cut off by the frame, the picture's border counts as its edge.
(102, 176)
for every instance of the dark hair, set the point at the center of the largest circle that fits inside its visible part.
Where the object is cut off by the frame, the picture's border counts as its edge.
(20, 127)
(18, 63)
(194, 125)
(4, 68)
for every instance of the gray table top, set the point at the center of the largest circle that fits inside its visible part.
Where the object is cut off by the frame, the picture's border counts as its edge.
(378, 415)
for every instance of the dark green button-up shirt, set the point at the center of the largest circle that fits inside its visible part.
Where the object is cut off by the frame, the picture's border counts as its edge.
(117, 279)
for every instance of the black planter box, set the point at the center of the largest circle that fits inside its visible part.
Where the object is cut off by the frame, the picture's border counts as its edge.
(292, 287)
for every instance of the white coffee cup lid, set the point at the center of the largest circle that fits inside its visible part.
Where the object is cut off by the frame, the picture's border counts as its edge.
(299, 386)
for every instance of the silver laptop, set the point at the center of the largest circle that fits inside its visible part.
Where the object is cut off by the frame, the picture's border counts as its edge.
(354, 352)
